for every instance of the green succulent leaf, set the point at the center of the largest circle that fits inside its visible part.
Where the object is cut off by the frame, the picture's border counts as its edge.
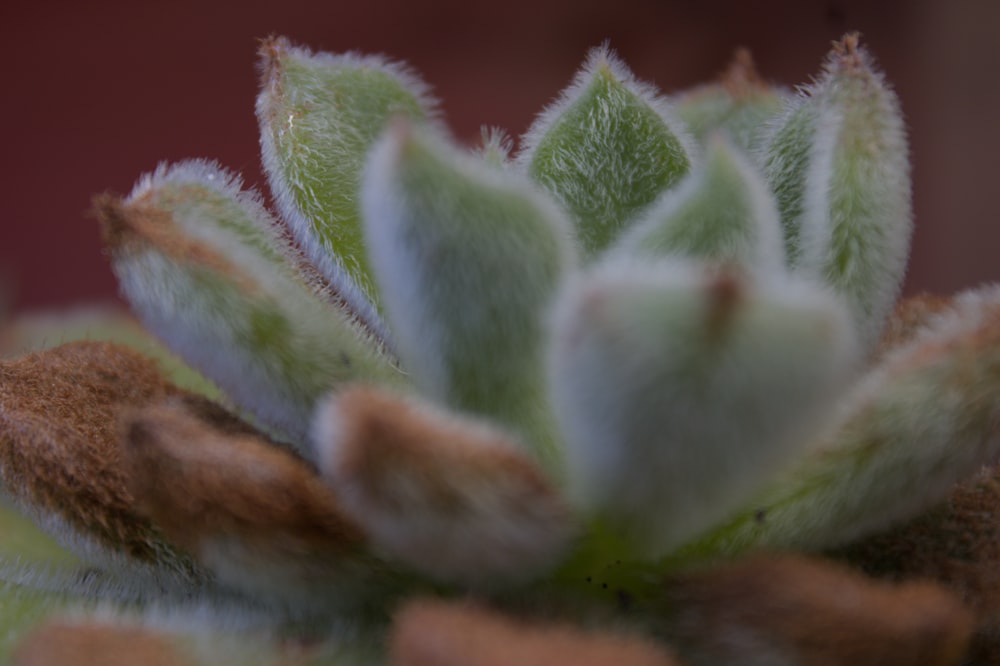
(205, 269)
(722, 211)
(606, 149)
(468, 257)
(785, 164)
(924, 419)
(319, 115)
(680, 387)
(739, 104)
(838, 163)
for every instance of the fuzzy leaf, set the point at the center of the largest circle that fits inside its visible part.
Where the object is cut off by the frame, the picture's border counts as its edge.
(910, 317)
(840, 166)
(451, 498)
(791, 610)
(60, 461)
(319, 114)
(722, 211)
(204, 268)
(468, 257)
(922, 420)
(43, 330)
(252, 513)
(438, 633)
(606, 149)
(957, 544)
(680, 388)
(740, 103)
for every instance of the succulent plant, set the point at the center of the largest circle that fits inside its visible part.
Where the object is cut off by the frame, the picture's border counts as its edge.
(598, 382)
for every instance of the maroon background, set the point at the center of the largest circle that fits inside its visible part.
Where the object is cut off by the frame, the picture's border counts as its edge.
(97, 93)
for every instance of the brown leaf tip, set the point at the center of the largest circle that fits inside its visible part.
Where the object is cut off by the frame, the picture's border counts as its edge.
(93, 644)
(379, 434)
(741, 78)
(109, 210)
(725, 290)
(848, 53)
(910, 316)
(59, 412)
(445, 495)
(270, 52)
(204, 480)
(437, 633)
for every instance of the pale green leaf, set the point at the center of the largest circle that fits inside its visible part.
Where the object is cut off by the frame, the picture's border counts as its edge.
(205, 269)
(840, 167)
(722, 211)
(680, 388)
(923, 420)
(467, 257)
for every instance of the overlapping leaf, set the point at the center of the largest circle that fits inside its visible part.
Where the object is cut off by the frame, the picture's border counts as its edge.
(204, 267)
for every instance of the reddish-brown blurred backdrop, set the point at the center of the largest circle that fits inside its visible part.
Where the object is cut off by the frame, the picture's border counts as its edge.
(98, 92)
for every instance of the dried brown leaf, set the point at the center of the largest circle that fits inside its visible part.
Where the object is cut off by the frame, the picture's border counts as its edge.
(59, 440)
(956, 544)
(788, 609)
(249, 510)
(59, 643)
(437, 633)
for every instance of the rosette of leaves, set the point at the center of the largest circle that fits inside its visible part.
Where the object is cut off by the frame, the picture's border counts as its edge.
(598, 382)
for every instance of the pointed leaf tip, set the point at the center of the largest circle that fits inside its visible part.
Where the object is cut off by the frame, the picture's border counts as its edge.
(606, 149)
(740, 104)
(205, 267)
(450, 497)
(838, 161)
(722, 211)
(319, 114)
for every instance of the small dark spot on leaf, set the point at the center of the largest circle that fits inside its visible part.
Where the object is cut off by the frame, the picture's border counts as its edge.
(590, 579)
(624, 600)
(345, 360)
(604, 586)
(760, 516)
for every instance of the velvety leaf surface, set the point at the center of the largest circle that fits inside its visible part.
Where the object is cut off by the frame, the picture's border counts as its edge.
(840, 165)
(919, 422)
(254, 514)
(59, 455)
(681, 387)
(606, 149)
(206, 270)
(319, 115)
(452, 498)
(722, 211)
(468, 258)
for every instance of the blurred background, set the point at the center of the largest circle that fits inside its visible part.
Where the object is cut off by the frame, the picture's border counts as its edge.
(99, 92)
